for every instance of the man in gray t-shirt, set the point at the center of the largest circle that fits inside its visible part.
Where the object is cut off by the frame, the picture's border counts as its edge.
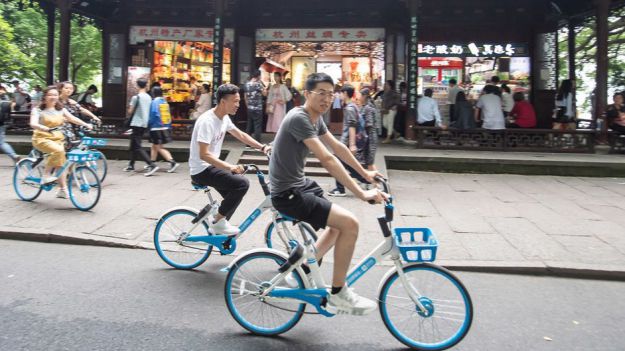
(303, 131)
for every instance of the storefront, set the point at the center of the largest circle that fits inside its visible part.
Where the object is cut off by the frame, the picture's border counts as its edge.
(174, 57)
(348, 55)
(472, 65)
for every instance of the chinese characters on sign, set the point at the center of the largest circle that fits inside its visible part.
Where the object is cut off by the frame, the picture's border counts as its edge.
(472, 49)
(139, 34)
(320, 34)
(217, 55)
(412, 65)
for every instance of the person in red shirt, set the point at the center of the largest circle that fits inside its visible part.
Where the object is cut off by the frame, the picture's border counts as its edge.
(523, 114)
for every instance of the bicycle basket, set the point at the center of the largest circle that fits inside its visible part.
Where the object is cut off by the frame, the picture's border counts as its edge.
(81, 156)
(416, 244)
(93, 141)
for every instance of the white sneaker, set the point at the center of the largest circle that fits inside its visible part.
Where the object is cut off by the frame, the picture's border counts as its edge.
(49, 179)
(222, 227)
(62, 193)
(348, 302)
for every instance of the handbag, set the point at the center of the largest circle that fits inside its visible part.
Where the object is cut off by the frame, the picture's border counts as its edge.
(128, 121)
(269, 109)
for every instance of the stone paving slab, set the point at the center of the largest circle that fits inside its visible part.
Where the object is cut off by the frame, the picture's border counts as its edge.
(509, 223)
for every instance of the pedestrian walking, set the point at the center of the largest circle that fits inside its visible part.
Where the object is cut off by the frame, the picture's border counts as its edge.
(254, 90)
(139, 114)
(160, 129)
(368, 111)
(564, 114)
(204, 103)
(390, 101)
(5, 115)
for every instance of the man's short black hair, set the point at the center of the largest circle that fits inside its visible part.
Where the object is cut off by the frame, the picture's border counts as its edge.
(453, 81)
(313, 79)
(428, 92)
(255, 73)
(93, 87)
(226, 89)
(349, 90)
(495, 79)
(142, 83)
(157, 92)
(391, 83)
(518, 96)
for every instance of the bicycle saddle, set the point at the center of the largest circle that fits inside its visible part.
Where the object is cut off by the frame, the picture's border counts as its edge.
(198, 186)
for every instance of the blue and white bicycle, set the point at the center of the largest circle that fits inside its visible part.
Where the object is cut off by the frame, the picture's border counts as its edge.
(86, 143)
(422, 305)
(84, 183)
(182, 239)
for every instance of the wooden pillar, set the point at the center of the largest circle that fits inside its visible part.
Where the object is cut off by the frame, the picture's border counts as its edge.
(218, 46)
(50, 11)
(413, 68)
(572, 62)
(64, 39)
(601, 94)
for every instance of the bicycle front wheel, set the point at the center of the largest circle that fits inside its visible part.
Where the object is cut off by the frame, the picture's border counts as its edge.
(169, 234)
(26, 180)
(84, 188)
(99, 165)
(274, 240)
(246, 280)
(449, 310)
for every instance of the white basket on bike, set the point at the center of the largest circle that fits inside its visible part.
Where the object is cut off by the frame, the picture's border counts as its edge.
(416, 244)
(81, 156)
(93, 141)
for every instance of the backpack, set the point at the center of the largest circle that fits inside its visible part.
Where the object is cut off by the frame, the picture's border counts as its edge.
(362, 138)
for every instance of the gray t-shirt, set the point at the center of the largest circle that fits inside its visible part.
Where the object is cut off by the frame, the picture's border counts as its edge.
(288, 155)
(350, 119)
(142, 112)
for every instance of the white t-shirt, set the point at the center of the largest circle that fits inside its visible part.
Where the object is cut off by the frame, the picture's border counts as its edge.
(492, 111)
(208, 129)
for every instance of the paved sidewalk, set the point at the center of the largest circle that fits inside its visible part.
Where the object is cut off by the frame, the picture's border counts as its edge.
(535, 224)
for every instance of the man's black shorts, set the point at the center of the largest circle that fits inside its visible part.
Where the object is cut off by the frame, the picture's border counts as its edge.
(306, 204)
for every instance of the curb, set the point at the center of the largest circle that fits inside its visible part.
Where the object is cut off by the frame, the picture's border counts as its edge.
(537, 268)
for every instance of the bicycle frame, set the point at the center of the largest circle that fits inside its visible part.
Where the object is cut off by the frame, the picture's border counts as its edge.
(220, 239)
(315, 292)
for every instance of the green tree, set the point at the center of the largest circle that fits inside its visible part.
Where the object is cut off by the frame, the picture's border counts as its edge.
(29, 26)
(11, 58)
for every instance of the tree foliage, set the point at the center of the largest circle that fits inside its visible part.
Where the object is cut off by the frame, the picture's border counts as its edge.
(29, 28)
(11, 58)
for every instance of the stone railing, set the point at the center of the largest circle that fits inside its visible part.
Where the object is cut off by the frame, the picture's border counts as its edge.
(533, 140)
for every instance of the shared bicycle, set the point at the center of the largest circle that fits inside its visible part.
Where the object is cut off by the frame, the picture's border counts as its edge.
(85, 143)
(423, 305)
(182, 239)
(83, 182)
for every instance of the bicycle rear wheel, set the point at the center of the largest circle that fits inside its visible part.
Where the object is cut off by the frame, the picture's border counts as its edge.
(26, 180)
(246, 280)
(169, 242)
(84, 188)
(448, 304)
(99, 165)
(276, 241)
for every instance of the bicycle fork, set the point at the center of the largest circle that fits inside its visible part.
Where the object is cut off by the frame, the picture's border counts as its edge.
(412, 291)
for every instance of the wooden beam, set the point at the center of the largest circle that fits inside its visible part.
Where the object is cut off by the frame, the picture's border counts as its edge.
(64, 39)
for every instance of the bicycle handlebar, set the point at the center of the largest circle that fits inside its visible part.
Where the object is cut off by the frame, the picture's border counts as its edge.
(386, 188)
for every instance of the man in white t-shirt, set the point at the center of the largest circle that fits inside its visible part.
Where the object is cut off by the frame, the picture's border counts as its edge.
(204, 164)
(490, 106)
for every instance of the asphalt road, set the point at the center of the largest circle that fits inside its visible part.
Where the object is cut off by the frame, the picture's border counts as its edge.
(63, 297)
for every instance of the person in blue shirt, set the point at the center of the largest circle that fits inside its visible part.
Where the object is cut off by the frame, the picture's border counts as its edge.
(159, 124)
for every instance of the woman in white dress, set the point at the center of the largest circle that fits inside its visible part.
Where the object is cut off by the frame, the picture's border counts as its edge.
(277, 98)
(204, 103)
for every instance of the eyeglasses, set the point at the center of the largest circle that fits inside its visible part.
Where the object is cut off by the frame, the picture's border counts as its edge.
(323, 94)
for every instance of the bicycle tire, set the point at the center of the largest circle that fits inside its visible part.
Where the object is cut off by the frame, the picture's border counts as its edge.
(268, 270)
(173, 252)
(444, 308)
